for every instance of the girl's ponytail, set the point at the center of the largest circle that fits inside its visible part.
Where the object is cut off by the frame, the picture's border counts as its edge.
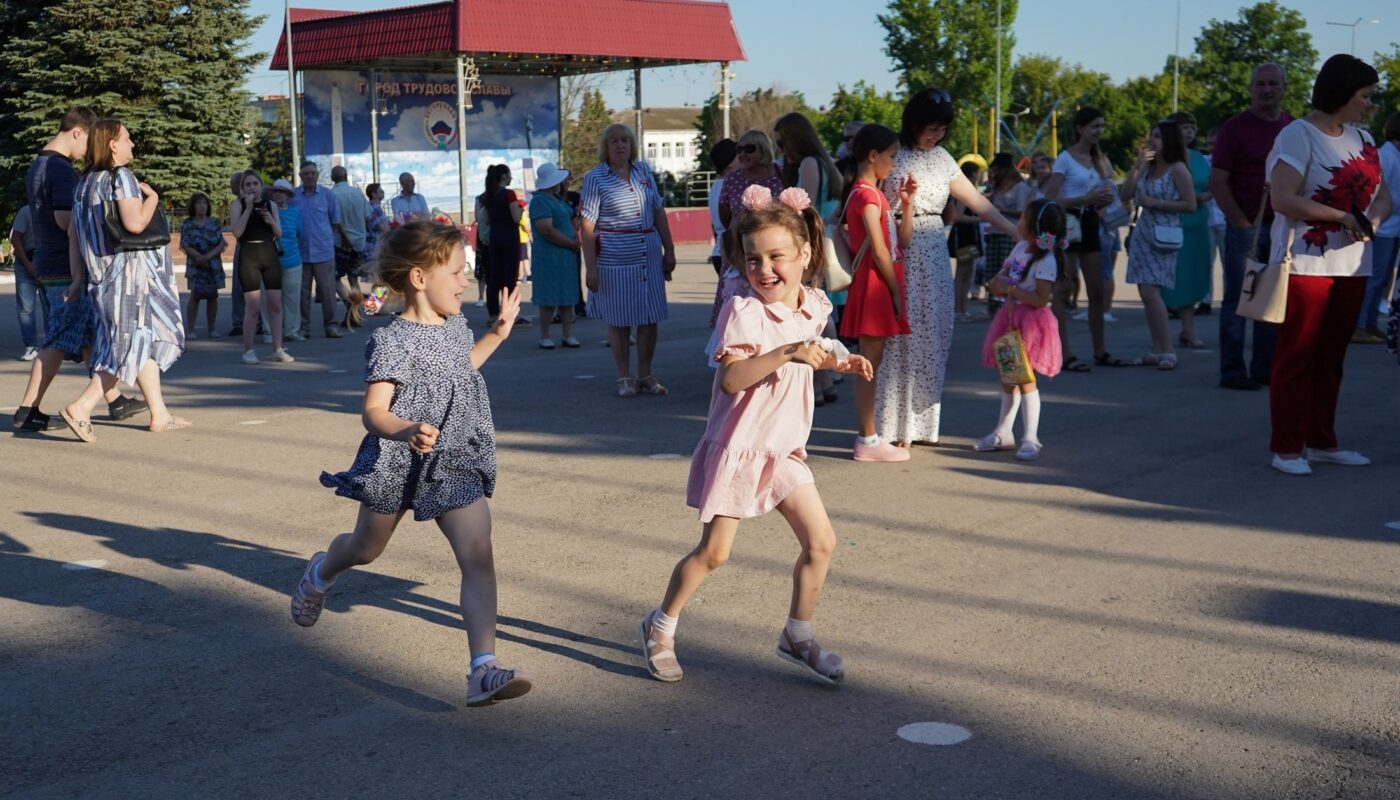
(815, 273)
(421, 244)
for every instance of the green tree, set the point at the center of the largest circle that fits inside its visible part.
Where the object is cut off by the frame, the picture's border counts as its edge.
(756, 110)
(1040, 85)
(1131, 109)
(270, 152)
(1228, 51)
(580, 151)
(16, 146)
(952, 44)
(173, 72)
(1387, 95)
(860, 102)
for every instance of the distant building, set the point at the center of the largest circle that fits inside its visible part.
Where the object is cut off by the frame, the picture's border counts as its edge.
(267, 107)
(670, 138)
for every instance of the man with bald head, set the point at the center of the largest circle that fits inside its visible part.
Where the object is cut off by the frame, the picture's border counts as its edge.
(1237, 180)
(354, 213)
(408, 205)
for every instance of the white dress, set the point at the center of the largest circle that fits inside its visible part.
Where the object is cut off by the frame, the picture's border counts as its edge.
(909, 391)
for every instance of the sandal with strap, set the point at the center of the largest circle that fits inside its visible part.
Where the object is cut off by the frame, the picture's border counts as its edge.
(649, 385)
(659, 652)
(491, 682)
(172, 424)
(626, 387)
(810, 656)
(990, 442)
(82, 428)
(1166, 361)
(1074, 365)
(1107, 360)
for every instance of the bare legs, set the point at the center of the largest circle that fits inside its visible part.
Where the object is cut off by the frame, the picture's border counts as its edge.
(804, 512)
(873, 348)
(273, 299)
(468, 531)
(1157, 323)
(566, 320)
(619, 342)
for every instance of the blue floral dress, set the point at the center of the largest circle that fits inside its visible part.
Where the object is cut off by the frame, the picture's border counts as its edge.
(434, 382)
(205, 280)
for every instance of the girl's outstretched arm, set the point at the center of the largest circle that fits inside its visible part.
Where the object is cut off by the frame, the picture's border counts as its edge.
(737, 373)
(487, 344)
(382, 422)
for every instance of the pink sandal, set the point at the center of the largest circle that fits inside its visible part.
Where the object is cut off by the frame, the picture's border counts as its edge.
(810, 656)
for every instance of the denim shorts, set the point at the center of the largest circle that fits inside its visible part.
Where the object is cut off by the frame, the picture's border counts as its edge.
(72, 325)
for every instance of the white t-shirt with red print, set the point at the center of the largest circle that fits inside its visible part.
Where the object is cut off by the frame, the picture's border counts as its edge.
(1343, 172)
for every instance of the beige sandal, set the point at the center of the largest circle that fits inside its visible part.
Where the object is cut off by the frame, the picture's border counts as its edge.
(659, 653)
(626, 387)
(650, 385)
(172, 424)
(810, 656)
(82, 428)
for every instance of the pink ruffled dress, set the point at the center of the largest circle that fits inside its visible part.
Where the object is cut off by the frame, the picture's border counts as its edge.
(754, 450)
(1037, 325)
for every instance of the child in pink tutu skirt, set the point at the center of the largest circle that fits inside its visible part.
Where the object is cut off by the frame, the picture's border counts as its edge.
(752, 457)
(1026, 280)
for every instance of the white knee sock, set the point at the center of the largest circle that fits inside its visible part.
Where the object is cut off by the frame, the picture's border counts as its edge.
(1030, 416)
(663, 623)
(1010, 401)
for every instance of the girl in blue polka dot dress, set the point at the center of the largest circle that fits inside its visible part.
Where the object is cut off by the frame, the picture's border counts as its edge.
(431, 446)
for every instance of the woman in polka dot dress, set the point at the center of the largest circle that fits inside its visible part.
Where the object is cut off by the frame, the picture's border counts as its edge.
(431, 446)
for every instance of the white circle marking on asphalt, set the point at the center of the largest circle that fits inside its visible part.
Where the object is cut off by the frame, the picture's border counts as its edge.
(665, 456)
(1395, 526)
(938, 734)
(253, 422)
(78, 566)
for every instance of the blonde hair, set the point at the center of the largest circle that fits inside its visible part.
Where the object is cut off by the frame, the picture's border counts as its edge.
(611, 131)
(805, 226)
(765, 144)
(421, 244)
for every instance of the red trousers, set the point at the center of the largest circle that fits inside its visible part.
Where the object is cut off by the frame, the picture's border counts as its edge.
(1308, 354)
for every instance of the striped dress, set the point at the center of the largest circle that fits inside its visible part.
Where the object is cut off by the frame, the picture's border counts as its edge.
(134, 292)
(631, 285)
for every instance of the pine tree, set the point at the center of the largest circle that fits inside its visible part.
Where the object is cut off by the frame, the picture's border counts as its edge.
(172, 72)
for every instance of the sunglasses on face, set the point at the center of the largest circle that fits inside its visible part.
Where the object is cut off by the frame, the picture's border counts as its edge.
(748, 149)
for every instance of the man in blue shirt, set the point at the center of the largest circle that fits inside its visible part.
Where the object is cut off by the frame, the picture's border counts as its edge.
(320, 230)
(407, 205)
(71, 323)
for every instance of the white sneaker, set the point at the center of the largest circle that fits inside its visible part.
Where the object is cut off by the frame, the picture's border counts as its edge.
(546, 344)
(1347, 458)
(282, 356)
(1108, 317)
(1081, 315)
(1292, 466)
(267, 338)
(29, 354)
(570, 341)
(480, 304)
(249, 357)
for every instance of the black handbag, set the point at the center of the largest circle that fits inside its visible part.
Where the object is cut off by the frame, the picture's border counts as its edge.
(155, 236)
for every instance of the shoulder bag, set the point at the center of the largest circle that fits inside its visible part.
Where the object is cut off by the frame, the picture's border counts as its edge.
(839, 264)
(155, 236)
(1264, 291)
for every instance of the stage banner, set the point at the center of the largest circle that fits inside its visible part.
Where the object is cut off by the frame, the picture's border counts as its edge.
(513, 120)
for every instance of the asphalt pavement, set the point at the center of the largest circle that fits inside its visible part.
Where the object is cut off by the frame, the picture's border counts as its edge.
(1148, 611)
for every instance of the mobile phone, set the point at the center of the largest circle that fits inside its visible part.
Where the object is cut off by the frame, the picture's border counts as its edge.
(1363, 222)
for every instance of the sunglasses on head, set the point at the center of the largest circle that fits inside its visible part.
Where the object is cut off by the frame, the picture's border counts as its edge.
(749, 148)
(939, 96)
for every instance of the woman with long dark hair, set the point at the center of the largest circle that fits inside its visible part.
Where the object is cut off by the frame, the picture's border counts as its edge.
(1079, 182)
(1193, 261)
(1160, 184)
(911, 375)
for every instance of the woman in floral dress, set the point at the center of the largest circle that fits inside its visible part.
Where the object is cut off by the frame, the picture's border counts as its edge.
(909, 397)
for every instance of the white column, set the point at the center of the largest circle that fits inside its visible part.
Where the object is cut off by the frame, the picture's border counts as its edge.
(374, 123)
(462, 101)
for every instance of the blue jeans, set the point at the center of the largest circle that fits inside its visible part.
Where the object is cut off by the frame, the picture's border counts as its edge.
(29, 295)
(1233, 326)
(1384, 250)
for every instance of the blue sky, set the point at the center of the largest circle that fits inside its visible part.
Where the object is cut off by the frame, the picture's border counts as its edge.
(831, 44)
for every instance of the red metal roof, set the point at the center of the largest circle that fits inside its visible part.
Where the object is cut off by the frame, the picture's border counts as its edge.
(551, 35)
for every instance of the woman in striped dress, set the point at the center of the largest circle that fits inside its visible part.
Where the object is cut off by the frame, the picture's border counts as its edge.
(628, 255)
(139, 331)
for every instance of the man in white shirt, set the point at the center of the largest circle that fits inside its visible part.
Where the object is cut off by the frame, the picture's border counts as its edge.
(407, 206)
(1385, 248)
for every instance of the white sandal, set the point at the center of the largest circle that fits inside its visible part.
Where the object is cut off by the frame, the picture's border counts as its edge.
(990, 442)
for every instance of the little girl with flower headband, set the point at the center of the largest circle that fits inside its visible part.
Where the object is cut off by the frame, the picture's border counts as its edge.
(751, 458)
(1026, 280)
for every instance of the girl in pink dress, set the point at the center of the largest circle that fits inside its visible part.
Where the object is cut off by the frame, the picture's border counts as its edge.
(751, 459)
(1026, 281)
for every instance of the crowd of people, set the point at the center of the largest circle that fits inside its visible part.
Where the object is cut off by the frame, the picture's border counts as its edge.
(1314, 195)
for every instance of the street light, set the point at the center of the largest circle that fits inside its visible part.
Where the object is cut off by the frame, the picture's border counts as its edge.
(1354, 25)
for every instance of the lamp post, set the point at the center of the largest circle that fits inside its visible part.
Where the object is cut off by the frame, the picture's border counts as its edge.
(1176, 64)
(996, 128)
(1354, 25)
(292, 94)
